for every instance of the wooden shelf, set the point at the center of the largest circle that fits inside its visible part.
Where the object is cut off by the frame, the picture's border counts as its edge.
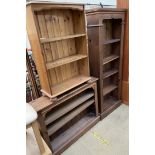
(94, 25)
(68, 107)
(109, 73)
(65, 60)
(107, 89)
(110, 58)
(108, 103)
(111, 41)
(69, 135)
(56, 126)
(46, 40)
(69, 84)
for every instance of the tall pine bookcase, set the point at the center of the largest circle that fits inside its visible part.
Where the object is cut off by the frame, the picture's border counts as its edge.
(58, 37)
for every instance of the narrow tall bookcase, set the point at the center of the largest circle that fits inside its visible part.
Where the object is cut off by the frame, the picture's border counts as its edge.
(57, 34)
(105, 35)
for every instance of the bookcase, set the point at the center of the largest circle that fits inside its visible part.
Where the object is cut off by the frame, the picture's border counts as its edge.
(105, 35)
(62, 122)
(57, 34)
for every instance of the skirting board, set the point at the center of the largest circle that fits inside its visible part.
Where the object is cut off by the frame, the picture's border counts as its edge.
(110, 110)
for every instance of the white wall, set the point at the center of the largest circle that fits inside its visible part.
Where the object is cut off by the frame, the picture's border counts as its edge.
(104, 2)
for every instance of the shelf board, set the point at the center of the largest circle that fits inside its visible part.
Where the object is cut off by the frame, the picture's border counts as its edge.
(65, 60)
(68, 107)
(46, 40)
(111, 41)
(94, 25)
(109, 103)
(109, 73)
(65, 138)
(56, 126)
(69, 84)
(107, 89)
(110, 58)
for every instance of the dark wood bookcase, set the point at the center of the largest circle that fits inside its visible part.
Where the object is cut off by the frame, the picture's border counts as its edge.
(105, 35)
(62, 122)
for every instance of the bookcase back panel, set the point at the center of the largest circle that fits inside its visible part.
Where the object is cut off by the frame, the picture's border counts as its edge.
(110, 49)
(57, 23)
(112, 28)
(62, 73)
(111, 80)
(61, 22)
(114, 65)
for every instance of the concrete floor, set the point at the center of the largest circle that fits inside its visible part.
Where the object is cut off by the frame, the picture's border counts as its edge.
(108, 137)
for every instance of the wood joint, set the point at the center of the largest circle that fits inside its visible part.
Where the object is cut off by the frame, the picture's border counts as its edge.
(90, 81)
(54, 99)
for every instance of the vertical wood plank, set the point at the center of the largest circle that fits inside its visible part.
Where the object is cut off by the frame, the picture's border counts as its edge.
(46, 46)
(64, 44)
(56, 28)
(71, 42)
(68, 42)
(54, 52)
(38, 137)
(125, 80)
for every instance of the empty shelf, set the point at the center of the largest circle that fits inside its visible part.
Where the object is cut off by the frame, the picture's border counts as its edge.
(56, 126)
(69, 135)
(109, 73)
(66, 60)
(94, 25)
(46, 40)
(68, 107)
(109, 102)
(111, 41)
(69, 84)
(107, 89)
(110, 58)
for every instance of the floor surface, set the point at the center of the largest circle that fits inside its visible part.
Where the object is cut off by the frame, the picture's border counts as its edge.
(108, 137)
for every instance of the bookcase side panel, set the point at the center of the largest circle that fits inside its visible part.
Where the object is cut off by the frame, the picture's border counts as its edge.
(36, 48)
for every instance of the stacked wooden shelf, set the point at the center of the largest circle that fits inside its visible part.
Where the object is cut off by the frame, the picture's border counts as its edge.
(68, 117)
(68, 107)
(106, 51)
(57, 34)
(110, 73)
(66, 60)
(70, 134)
(111, 41)
(110, 58)
(65, 120)
(47, 40)
(109, 88)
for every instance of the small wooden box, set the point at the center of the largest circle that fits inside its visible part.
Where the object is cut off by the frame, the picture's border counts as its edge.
(58, 37)
(62, 122)
(106, 37)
